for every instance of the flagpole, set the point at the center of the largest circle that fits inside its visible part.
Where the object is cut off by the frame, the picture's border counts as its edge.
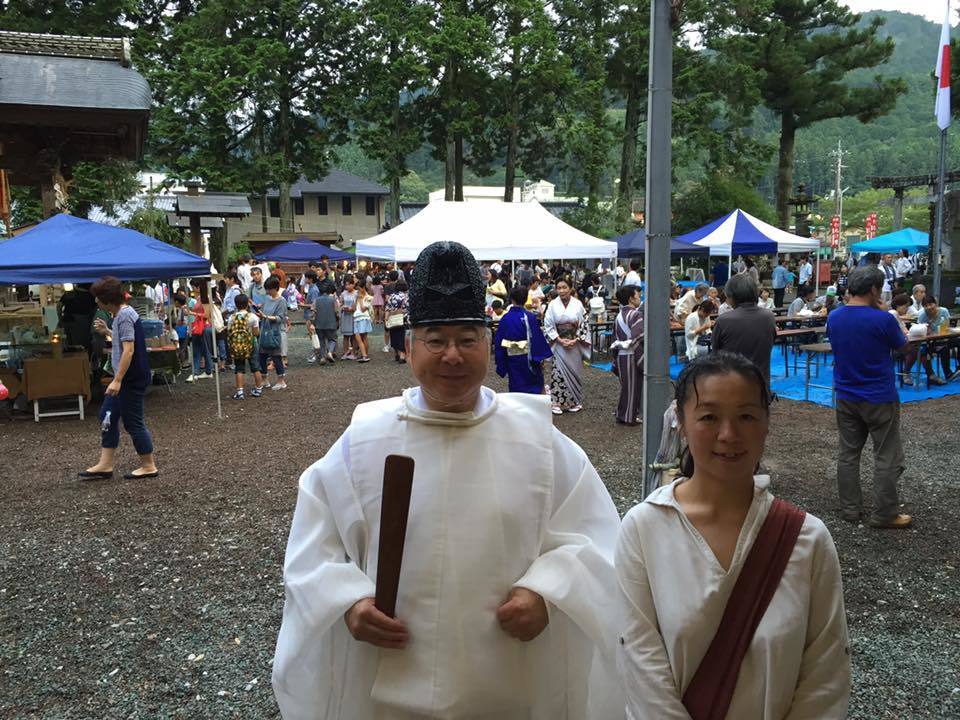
(938, 233)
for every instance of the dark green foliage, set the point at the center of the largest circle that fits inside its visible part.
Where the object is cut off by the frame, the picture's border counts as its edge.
(798, 53)
(715, 196)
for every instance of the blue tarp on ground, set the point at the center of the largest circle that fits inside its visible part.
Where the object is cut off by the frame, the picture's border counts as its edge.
(65, 249)
(907, 239)
(792, 387)
(632, 244)
(302, 250)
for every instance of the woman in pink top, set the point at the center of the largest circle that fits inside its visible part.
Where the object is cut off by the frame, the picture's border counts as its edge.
(376, 289)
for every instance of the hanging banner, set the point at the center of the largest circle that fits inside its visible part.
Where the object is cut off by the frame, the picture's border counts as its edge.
(835, 232)
(870, 226)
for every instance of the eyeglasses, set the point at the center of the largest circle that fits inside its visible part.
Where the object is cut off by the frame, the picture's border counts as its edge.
(438, 345)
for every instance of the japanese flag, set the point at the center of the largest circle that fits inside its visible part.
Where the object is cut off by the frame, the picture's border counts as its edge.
(942, 110)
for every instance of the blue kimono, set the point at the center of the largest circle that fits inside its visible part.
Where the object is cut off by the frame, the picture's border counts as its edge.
(520, 348)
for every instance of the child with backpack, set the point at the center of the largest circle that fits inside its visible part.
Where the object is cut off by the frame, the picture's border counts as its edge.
(242, 333)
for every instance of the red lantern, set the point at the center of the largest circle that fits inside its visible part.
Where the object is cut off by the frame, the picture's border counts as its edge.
(4, 392)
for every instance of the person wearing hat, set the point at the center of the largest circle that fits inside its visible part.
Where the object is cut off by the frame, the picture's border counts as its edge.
(506, 607)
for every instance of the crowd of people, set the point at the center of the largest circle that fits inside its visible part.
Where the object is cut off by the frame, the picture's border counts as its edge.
(712, 598)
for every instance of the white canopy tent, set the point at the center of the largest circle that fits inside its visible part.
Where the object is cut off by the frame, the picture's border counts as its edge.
(491, 230)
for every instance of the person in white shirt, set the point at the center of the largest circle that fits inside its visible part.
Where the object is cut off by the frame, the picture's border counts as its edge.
(916, 301)
(889, 276)
(765, 300)
(904, 265)
(505, 607)
(683, 551)
(739, 265)
(244, 275)
(687, 302)
(633, 277)
(806, 271)
(695, 324)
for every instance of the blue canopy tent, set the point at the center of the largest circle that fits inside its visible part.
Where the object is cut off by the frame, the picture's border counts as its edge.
(907, 239)
(632, 244)
(67, 249)
(302, 250)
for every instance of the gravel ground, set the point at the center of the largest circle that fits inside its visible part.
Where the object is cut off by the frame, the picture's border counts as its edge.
(162, 599)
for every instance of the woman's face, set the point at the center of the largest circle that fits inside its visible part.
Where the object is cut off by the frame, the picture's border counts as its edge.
(726, 425)
(764, 296)
(563, 290)
(703, 312)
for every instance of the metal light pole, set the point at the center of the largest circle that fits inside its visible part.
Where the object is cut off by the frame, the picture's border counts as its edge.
(938, 234)
(656, 336)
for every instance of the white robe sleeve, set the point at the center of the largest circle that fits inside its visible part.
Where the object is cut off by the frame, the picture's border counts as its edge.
(823, 689)
(550, 323)
(321, 577)
(575, 569)
(652, 693)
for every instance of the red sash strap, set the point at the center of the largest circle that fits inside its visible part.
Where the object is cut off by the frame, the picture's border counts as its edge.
(713, 685)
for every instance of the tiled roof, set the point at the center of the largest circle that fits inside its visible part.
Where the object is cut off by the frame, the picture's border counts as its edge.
(73, 46)
(337, 182)
(70, 72)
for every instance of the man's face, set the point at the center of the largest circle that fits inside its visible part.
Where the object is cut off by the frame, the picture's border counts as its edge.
(257, 275)
(450, 363)
(931, 309)
(887, 259)
(635, 299)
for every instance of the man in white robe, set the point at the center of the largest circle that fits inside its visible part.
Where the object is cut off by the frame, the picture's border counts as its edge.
(507, 606)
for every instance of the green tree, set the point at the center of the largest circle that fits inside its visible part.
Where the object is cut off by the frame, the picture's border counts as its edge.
(202, 124)
(715, 196)
(530, 77)
(392, 70)
(108, 185)
(799, 53)
(460, 46)
(68, 17)
(25, 206)
(585, 37)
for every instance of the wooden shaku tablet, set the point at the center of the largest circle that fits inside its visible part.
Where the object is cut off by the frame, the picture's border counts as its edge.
(394, 509)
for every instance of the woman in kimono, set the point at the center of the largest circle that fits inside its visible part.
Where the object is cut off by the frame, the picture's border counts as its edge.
(520, 347)
(734, 598)
(628, 364)
(565, 325)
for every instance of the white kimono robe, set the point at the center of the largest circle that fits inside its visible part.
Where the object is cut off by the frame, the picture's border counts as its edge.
(500, 499)
(798, 663)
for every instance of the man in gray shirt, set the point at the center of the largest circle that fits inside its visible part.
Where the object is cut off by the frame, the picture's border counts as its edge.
(747, 329)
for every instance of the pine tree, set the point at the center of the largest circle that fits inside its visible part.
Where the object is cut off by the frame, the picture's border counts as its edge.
(798, 54)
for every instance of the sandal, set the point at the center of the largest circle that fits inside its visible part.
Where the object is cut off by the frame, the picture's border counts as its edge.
(575, 409)
(556, 410)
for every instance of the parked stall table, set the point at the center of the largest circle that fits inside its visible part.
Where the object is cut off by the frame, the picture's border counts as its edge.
(45, 378)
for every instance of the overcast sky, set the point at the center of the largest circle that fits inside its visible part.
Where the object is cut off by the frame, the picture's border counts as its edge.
(930, 9)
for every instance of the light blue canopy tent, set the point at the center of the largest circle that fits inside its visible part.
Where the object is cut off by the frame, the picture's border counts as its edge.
(907, 239)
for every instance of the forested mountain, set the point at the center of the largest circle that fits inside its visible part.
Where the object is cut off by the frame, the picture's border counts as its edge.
(904, 142)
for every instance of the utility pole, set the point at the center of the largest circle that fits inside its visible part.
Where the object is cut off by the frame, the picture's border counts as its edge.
(839, 154)
(656, 336)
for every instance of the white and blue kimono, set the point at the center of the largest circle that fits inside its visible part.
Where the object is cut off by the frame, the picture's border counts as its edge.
(520, 349)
